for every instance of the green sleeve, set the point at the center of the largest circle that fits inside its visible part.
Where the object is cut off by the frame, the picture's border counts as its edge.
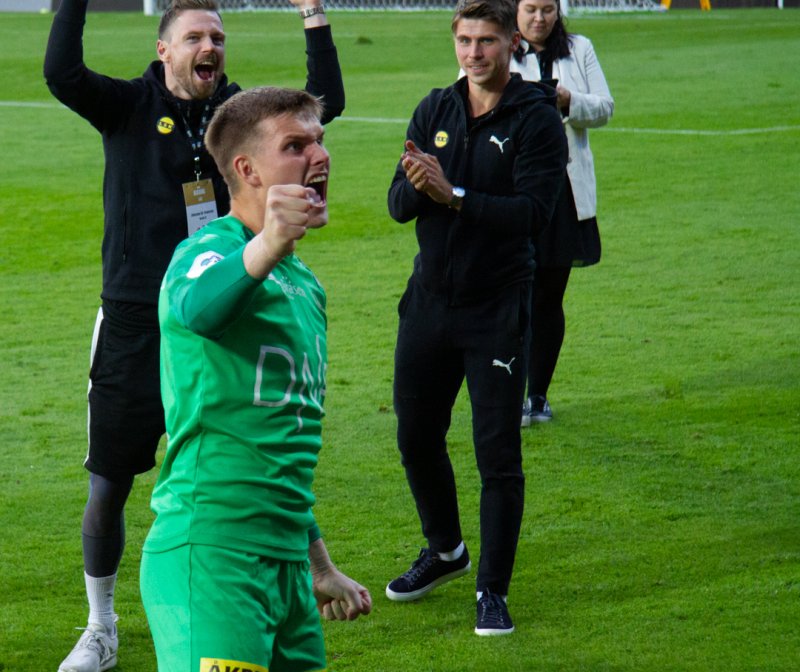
(209, 303)
(314, 533)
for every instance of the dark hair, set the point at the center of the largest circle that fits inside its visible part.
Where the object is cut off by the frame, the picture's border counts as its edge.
(558, 42)
(178, 7)
(501, 12)
(233, 126)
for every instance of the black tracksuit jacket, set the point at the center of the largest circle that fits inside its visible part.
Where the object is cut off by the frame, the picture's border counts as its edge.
(512, 164)
(145, 213)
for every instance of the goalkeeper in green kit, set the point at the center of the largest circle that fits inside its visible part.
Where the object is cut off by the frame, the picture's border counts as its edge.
(234, 569)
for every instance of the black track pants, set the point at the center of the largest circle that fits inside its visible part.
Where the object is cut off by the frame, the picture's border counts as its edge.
(438, 346)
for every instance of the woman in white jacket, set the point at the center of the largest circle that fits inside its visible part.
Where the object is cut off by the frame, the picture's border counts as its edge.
(568, 62)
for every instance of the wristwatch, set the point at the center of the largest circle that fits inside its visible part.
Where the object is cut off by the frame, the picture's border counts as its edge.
(458, 196)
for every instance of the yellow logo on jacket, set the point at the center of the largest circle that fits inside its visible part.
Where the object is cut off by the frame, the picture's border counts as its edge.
(441, 139)
(165, 125)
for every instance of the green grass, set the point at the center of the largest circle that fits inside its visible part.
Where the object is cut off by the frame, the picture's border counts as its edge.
(661, 529)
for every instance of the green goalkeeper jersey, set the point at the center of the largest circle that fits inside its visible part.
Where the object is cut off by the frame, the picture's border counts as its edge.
(243, 366)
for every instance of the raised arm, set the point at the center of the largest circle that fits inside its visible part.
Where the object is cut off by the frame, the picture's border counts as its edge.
(324, 78)
(92, 95)
(63, 60)
(212, 283)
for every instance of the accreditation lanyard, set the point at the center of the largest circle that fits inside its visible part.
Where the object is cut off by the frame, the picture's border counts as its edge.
(196, 140)
(201, 204)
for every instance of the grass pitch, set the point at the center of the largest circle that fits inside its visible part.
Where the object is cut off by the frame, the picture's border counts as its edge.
(661, 528)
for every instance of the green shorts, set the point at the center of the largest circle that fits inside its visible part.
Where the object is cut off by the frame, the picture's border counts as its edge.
(212, 609)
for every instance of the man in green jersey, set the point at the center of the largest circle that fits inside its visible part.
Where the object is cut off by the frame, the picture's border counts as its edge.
(225, 574)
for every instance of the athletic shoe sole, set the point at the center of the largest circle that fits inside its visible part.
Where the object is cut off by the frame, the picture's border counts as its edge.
(493, 632)
(528, 420)
(107, 665)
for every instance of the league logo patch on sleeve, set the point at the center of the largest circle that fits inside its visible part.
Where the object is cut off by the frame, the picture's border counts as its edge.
(202, 262)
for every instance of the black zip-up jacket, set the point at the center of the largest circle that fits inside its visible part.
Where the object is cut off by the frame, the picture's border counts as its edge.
(512, 164)
(145, 167)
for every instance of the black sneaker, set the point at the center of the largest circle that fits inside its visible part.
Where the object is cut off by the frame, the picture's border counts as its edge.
(427, 572)
(493, 616)
(535, 409)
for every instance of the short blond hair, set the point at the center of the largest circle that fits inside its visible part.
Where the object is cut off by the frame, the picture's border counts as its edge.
(233, 127)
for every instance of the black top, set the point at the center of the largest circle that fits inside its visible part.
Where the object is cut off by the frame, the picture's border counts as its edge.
(512, 164)
(145, 167)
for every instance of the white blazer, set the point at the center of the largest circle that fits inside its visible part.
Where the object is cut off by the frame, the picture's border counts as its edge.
(591, 105)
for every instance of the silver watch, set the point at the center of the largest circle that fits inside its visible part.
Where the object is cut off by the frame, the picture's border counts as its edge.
(457, 197)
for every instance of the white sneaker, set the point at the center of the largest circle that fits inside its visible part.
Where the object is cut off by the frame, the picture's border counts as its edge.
(95, 651)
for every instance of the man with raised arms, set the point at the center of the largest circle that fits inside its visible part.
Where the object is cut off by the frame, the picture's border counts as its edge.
(160, 185)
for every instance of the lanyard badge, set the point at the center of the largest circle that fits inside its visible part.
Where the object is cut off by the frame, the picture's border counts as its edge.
(198, 196)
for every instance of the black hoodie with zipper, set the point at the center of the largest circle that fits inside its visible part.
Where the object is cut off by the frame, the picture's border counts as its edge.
(148, 154)
(511, 163)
